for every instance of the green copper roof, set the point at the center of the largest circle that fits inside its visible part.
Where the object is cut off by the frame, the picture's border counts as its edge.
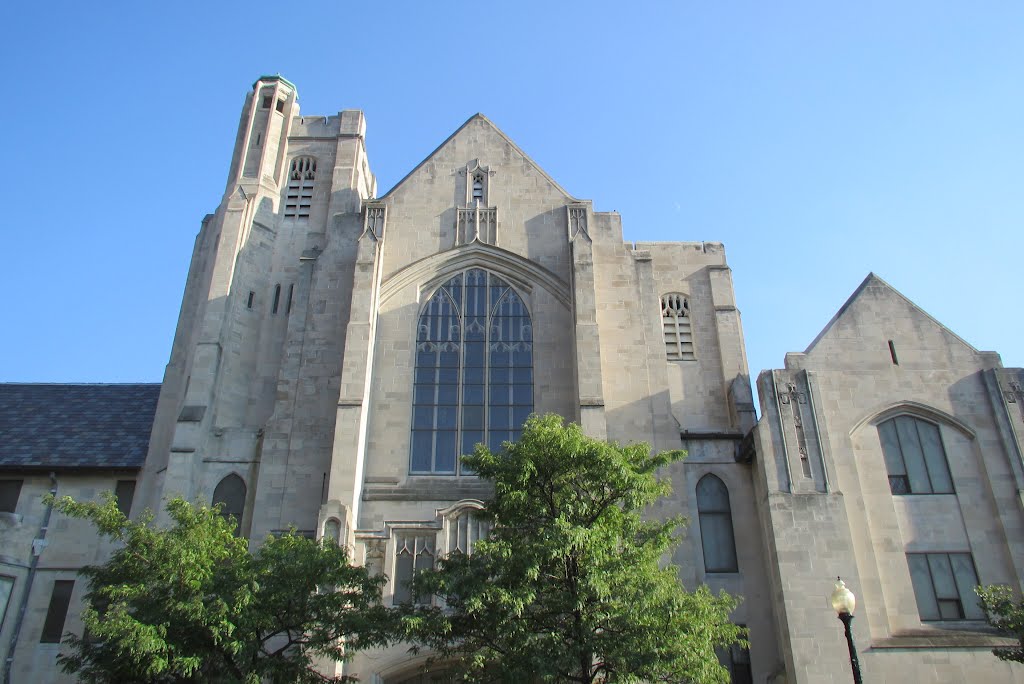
(277, 77)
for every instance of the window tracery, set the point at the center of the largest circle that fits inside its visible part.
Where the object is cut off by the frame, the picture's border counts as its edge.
(299, 196)
(675, 323)
(474, 371)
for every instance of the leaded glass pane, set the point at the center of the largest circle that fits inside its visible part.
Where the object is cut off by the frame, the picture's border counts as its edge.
(966, 580)
(470, 439)
(444, 456)
(935, 457)
(712, 495)
(472, 417)
(446, 418)
(500, 418)
(403, 576)
(422, 450)
(473, 394)
(423, 417)
(913, 458)
(891, 449)
(920, 575)
(717, 541)
(448, 394)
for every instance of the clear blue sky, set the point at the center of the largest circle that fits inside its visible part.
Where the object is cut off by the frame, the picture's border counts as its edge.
(817, 141)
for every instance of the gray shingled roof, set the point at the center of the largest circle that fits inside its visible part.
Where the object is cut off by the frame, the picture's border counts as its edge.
(75, 426)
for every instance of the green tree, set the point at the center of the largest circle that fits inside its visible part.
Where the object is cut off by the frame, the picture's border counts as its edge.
(569, 586)
(191, 603)
(1006, 614)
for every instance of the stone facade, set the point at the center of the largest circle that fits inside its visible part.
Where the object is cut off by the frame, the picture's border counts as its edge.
(304, 339)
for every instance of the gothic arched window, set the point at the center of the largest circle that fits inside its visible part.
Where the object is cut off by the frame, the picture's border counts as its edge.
(474, 371)
(230, 493)
(715, 516)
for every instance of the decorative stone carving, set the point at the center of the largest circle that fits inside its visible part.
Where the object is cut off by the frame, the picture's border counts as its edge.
(577, 214)
(477, 224)
(374, 220)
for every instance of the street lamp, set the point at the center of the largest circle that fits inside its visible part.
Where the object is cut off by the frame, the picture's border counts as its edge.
(844, 602)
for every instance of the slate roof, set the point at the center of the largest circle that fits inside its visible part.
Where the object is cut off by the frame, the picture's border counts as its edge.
(44, 426)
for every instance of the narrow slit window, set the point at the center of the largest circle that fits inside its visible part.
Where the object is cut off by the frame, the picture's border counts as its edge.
(57, 613)
(6, 588)
(716, 534)
(277, 298)
(892, 354)
(675, 323)
(288, 307)
(248, 302)
(299, 194)
(230, 494)
(10, 492)
(124, 492)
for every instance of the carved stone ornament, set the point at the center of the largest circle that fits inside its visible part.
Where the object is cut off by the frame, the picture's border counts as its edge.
(375, 217)
(577, 214)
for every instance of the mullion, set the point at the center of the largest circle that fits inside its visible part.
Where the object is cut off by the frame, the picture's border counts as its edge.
(906, 471)
(924, 461)
(461, 376)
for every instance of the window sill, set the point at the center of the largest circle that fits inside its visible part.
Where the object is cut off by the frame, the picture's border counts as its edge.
(960, 634)
(431, 488)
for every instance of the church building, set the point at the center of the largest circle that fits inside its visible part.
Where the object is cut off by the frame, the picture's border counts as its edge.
(337, 350)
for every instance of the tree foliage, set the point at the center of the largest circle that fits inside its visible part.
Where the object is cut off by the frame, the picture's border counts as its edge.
(1006, 613)
(569, 584)
(191, 603)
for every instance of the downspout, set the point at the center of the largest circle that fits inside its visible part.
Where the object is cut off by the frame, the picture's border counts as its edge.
(38, 544)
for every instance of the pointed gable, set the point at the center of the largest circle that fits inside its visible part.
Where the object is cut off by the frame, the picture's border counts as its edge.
(477, 131)
(477, 185)
(878, 326)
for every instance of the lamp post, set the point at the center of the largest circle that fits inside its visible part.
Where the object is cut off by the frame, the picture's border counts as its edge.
(844, 602)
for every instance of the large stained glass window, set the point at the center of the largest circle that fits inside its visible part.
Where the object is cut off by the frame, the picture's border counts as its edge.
(474, 371)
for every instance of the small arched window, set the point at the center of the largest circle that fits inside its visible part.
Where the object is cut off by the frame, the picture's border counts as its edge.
(230, 494)
(332, 530)
(716, 534)
(914, 456)
(299, 197)
(675, 322)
